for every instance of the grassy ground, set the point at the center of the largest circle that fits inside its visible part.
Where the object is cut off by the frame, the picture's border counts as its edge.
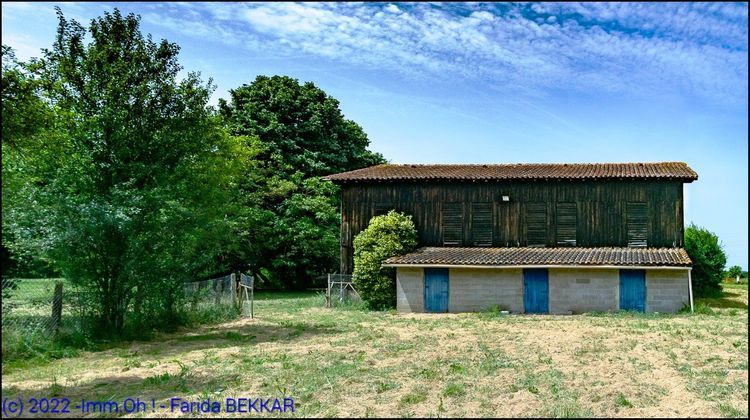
(350, 362)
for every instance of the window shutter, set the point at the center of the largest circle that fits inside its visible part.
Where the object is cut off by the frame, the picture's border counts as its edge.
(453, 220)
(566, 221)
(637, 224)
(481, 224)
(536, 224)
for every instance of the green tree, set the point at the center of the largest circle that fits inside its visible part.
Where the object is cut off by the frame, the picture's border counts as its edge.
(128, 191)
(302, 128)
(734, 271)
(385, 236)
(301, 135)
(24, 111)
(709, 260)
(25, 115)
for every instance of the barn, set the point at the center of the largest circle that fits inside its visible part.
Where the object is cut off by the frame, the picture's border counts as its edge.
(530, 238)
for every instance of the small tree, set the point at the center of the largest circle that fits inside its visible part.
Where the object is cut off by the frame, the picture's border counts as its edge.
(386, 236)
(734, 272)
(709, 260)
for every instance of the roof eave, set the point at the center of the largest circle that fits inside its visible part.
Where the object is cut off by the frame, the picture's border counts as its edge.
(511, 266)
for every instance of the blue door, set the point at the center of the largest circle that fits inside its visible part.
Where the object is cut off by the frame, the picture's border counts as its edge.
(633, 290)
(436, 289)
(536, 291)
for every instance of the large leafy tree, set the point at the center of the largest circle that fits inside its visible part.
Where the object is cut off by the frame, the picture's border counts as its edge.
(709, 259)
(302, 128)
(290, 227)
(128, 189)
(25, 116)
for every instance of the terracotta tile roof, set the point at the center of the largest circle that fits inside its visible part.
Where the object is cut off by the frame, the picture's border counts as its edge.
(519, 171)
(545, 256)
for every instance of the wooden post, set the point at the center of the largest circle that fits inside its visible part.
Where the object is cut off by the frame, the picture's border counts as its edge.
(233, 285)
(252, 295)
(57, 301)
(328, 292)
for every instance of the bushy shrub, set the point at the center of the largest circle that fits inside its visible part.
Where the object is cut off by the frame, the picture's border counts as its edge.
(386, 236)
(709, 260)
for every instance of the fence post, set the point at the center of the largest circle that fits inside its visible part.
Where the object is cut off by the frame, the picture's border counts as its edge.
(233, 285)
(217, 291)
(252, 295)
(328, 291)
(57, 307)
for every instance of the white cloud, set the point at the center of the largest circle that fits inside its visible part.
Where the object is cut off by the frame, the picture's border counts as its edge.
(618, 48)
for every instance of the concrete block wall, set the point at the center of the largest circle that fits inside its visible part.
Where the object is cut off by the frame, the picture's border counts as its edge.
(571, 290)
(476, 289)
(578, 290)
(410, 289)
(666, 290)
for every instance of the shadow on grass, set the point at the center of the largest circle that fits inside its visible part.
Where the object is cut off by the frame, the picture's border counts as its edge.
(214, 337)
(728, 299)
(186, 384)
(222, 336)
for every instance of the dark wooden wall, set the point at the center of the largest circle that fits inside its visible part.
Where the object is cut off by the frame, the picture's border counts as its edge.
(600, 211)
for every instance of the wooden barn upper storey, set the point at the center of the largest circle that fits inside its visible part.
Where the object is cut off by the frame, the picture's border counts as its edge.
(521, 205)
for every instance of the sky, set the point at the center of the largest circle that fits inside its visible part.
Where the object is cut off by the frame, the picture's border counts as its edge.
(488, 83)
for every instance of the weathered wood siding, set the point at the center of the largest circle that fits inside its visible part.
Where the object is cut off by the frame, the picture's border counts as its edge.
(600, 212)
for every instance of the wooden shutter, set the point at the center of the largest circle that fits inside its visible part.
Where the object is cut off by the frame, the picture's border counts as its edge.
(453, 223)
(536, 224)
(481, 224)
(637, 224)
(566, 221)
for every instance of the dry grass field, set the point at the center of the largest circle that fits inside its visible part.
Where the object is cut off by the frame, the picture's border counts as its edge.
(351, 362)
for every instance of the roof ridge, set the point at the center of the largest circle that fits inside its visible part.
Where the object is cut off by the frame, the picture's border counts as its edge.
(527, 163)
(519, 171)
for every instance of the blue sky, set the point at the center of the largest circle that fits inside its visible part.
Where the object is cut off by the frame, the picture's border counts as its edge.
(489, 83)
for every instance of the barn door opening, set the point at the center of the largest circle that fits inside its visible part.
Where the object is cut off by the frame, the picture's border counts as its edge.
(436, 289)
(633, 290)
(536, 291)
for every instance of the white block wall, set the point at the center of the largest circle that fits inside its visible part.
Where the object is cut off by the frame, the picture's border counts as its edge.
(410, 289)
(666, 290)
(578, 290)
(477, 289)
(571, 290)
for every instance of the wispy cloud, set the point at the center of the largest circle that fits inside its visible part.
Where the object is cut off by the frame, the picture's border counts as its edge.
(691, 49)
(698, 49)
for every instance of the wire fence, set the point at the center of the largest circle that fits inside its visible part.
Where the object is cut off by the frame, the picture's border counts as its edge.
(341, 291)
(39, 306)
(42, 308)
(216, 292)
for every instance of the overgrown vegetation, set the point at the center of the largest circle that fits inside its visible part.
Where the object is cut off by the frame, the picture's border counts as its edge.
(708, 257)
(385, 236)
